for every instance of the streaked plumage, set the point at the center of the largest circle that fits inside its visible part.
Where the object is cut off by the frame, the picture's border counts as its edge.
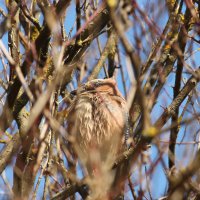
(97, 120)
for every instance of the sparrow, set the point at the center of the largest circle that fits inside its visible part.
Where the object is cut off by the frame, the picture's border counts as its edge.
(98, 123)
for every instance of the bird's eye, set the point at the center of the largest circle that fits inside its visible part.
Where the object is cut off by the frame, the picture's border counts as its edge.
(97, 83)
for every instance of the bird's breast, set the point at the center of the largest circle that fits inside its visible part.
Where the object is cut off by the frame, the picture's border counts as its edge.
(98, 117)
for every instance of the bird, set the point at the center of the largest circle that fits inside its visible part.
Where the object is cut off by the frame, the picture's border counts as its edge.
(98, 125)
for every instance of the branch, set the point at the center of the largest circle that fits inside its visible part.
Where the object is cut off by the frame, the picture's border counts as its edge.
(110, 45)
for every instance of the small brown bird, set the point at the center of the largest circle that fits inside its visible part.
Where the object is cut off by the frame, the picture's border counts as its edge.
(97, 122)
